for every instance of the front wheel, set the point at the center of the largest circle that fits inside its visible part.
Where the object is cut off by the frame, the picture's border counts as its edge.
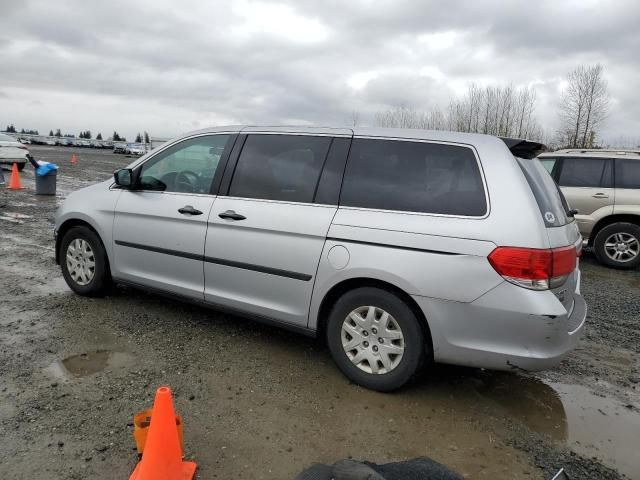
(618, 245)
(84, 262)
(375, 339)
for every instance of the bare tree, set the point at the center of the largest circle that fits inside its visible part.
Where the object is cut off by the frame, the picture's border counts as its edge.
(584, 106)
(355, 118)
(398, 117)
(504, 111)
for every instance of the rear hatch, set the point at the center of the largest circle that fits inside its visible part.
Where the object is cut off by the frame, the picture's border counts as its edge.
(561, 227)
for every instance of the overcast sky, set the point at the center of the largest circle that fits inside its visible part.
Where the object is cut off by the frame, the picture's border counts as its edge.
(173, 66)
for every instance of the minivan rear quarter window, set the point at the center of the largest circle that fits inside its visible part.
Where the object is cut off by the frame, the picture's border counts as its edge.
(280, 167)
(551, 202)
(414, 177)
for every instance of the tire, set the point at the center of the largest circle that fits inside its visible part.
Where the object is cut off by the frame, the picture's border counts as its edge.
(97, 283)
(399, 369)
(618, 233)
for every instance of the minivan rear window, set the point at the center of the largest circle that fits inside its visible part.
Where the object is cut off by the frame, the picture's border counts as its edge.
(413, 177)
(550, 199)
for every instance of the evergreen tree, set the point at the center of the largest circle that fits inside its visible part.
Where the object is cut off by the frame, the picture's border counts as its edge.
(51, 133)
(138, 138)
(99, 136)
(146, 137)
(58, 133)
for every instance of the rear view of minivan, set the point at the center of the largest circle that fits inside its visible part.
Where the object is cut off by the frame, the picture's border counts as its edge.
(399, 247)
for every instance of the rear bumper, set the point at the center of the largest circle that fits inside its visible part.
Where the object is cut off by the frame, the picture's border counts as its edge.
(508, 328)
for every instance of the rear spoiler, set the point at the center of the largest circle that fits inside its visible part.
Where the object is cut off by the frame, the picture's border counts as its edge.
(524, 148)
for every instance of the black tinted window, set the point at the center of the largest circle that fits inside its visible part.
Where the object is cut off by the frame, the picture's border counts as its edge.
(413, 176)
(585, 172)
(627, 173)
(279, 167)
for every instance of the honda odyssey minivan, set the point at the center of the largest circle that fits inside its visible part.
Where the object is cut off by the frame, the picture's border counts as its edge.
(400, 247)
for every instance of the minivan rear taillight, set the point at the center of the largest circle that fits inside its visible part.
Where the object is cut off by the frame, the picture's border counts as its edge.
(534, 268)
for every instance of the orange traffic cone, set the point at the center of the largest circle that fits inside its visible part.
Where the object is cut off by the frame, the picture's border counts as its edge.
(74, 159)
(162, 456)
(14, 181)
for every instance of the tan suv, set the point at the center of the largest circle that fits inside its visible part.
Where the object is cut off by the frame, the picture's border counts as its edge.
(604, 186)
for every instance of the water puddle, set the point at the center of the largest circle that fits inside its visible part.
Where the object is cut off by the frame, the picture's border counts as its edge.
(14, 217)
(21, 204)
(89, 363)
(590, 424)
(55, 284)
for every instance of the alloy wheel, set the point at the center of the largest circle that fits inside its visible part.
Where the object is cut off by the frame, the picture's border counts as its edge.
(622, 247)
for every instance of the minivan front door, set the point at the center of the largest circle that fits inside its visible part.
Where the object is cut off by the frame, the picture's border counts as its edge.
(159, 228)
(266, 235)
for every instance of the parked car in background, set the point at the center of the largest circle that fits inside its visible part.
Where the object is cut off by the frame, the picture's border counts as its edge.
(12, 151)
(604, 187)
(24, 141)
(119, 147)
(399, 246)
(136, 149)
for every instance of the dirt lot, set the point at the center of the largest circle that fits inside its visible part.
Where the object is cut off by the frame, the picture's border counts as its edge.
(260, 403)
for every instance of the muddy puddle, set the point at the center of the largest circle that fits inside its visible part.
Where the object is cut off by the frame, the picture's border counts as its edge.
(86, 364)
(591, 424)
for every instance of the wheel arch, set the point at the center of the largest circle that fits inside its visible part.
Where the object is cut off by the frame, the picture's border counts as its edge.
(68, 225)
(610, 220)
(347, 285)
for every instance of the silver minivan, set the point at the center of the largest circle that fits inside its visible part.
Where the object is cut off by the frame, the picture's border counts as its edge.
(401, 247)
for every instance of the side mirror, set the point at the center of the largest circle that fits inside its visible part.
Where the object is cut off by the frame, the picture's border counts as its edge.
(123, 177)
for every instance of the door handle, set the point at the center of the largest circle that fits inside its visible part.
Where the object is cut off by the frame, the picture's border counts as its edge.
(231, 215)
(190, 210)
(600, 195)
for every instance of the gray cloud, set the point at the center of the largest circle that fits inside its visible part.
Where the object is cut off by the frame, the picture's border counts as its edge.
(168, 67)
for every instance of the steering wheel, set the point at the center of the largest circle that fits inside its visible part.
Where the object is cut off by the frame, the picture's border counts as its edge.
(186, 181)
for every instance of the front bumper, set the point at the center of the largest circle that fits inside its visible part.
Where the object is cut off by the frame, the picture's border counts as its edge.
(508, 328)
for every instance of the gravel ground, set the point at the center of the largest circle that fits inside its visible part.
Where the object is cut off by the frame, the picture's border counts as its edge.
(261, 403)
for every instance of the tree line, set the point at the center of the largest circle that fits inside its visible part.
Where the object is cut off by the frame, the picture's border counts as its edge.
(510, 111)
(85, 134)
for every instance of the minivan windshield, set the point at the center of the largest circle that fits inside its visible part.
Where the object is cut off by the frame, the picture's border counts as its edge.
(551, 201)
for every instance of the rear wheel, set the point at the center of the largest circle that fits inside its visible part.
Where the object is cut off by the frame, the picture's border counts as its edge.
(618, 245)
(375, 339)
(84, 262)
